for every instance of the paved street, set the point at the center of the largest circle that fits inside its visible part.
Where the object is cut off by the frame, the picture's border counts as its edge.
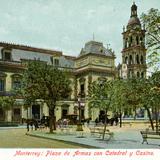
(16, 138)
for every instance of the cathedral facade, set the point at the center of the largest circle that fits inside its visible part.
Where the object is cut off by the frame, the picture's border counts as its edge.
(134, 51)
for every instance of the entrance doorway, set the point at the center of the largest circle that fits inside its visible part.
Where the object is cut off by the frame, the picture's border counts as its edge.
(16, 114)
(2, 115)
(36, 111)
(64, 111)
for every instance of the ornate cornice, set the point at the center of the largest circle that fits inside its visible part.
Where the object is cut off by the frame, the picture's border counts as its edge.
(94, 54)
(87, 70)
(137, 66)
(133, 47)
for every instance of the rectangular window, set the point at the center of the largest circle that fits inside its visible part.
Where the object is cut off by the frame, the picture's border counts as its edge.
(56, 62)
(16, 84)
(82, 87)
(7, 56)
(2, 84)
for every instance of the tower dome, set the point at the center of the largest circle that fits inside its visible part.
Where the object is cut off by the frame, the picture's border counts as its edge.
(134, 20)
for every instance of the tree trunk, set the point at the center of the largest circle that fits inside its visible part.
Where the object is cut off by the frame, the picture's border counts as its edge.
(120, 116)
(105, 125)
(52, 120)
(150, 118)
(156, 112)
(135, 113)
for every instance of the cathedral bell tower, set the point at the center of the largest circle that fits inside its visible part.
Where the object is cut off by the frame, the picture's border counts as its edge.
(134, 52)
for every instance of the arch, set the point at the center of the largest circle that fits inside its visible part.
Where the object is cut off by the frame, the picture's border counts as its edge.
(126, 43)
(130, 59)
(126, 60)
(141, 40)
(130, 41)
(141, 59)
(142, 74)
(137, 59)
(137, 40)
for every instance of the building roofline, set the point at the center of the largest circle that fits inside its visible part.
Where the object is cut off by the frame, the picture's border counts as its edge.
(30, 48)
(70, 57)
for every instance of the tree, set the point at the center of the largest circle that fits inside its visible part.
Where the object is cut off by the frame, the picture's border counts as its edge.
(144, 91)
(133, 95)
(155, 95)
(101, 95)
(6, 102)
(47, 83)
(151, 20)
(119, 101)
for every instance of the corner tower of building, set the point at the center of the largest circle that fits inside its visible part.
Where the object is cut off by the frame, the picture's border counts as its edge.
(134, 51)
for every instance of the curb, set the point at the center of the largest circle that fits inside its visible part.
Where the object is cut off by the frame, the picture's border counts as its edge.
(69, 142)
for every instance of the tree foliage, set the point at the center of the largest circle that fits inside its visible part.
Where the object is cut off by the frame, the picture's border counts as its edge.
(151, 20)
(130, 94)
(47, 83)
(101, 95)
(6, 102)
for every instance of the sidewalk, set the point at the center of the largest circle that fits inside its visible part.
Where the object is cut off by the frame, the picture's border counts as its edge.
(128, 137)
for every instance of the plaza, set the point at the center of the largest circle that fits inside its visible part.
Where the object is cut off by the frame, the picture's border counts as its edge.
(95, 95)
(127, 137)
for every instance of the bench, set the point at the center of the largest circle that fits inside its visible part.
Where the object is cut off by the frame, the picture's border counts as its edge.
(149, 135)
(99, 132)
(67, 129)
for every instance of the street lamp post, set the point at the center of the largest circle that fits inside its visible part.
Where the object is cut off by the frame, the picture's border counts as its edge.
(80, 105)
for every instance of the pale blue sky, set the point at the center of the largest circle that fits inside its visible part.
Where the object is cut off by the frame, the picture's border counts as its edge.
(67, 24)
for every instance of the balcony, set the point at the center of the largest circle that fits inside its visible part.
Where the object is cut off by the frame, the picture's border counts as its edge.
(13, 64)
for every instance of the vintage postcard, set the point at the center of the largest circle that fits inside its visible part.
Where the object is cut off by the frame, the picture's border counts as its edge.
(79, 79)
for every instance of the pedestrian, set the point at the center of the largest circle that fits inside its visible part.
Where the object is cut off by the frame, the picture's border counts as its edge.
(96, 121)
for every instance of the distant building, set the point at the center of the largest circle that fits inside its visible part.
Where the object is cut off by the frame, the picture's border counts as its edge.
(93, 63)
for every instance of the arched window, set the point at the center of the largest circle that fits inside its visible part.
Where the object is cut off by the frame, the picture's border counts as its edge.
(130, 59)
(137, 59)
(126, 60)
(138, 75)
(2, 81)
(141, 59)
(126, 43)
(130, 43)
(142, 75)
(141, 40)
(137, 40)
(82, 87)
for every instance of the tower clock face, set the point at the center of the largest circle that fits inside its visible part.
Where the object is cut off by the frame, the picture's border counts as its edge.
(124, 67)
